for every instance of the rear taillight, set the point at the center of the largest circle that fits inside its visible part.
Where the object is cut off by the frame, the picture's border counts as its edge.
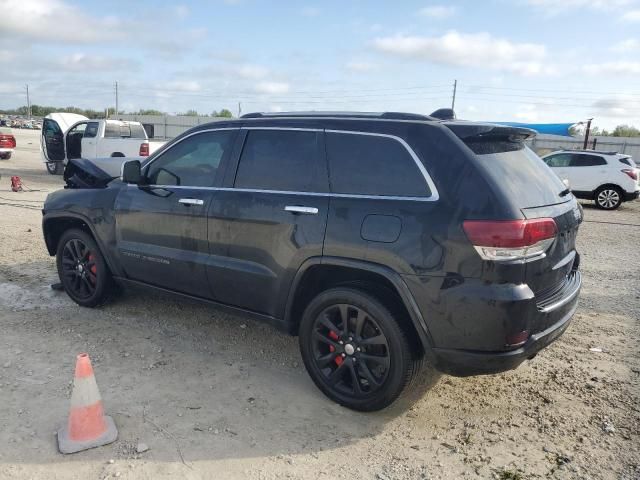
(511, 239)
(7, 141)
(631, 173)
(144, 150)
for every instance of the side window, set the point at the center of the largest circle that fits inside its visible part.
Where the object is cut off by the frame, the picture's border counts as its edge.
(373, 165)
(50, 129)
(192, 162)
(582, 160)
(92, 130)
(558, 160)
(112, 130)
(78, 129)
(628, 161)
(284, 160)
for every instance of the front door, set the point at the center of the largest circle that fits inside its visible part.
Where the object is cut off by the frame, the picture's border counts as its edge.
(52, 141)
(272, 217)
(161, 228)
(559, 163)
(89, 140)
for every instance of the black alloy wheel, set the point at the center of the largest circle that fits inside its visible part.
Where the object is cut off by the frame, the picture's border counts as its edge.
(355, 350)
(350, 350)
(82, 269)
(79, 268)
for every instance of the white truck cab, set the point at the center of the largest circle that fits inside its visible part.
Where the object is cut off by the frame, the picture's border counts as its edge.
(68, 135)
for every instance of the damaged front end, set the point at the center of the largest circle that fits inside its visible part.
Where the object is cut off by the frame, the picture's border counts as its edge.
(83, 173)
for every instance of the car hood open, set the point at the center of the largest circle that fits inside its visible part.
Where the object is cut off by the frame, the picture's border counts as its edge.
(83, 173)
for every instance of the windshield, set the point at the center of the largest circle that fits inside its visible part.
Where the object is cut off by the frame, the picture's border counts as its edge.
(525, 177)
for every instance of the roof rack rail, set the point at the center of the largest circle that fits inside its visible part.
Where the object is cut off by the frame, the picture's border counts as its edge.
(382, 115)
(601, 152)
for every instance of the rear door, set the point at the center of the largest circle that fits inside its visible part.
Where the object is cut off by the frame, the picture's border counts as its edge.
(161, 228)
(587, 172)
(271, 217)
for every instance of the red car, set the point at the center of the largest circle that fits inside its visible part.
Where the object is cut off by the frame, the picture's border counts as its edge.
(7, 143)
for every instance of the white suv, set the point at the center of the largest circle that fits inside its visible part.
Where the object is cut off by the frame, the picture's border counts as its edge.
(608, 178)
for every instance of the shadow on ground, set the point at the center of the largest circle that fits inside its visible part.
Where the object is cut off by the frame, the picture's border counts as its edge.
(177, 375)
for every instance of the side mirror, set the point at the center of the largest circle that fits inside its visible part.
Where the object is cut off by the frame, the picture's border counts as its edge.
(130, 172)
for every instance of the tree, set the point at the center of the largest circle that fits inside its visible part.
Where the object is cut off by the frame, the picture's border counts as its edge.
(626, 131)
(191, 113)
(149, 111)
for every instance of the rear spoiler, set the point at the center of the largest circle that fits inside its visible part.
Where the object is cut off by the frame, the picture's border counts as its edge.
(485, 138)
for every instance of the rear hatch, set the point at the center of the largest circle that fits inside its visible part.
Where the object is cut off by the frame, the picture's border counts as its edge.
(527, 182)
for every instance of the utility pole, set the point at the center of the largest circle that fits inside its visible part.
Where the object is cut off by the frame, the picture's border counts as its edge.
(453, 99)
(28, 102)
(586, 133)
(116, 99)
(239, 109)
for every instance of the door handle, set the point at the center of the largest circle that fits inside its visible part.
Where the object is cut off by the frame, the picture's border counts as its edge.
(191, 201)
(304, 210)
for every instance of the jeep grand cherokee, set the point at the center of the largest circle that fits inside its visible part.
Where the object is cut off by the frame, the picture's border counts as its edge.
(384, 241)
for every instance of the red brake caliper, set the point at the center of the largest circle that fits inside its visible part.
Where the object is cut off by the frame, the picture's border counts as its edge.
(334, 336)
(93, 268)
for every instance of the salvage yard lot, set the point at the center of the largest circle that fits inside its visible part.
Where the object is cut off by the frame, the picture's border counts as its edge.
(218, 396)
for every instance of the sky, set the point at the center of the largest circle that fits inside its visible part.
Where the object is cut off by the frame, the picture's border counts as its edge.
(514, 60)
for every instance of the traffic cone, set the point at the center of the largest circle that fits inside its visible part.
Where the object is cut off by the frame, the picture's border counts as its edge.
(88, 426)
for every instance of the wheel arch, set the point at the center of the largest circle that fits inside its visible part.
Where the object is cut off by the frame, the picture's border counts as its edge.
(321, 273)
(609, 185)
(54, 226)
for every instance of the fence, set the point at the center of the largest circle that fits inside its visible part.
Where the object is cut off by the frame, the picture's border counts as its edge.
(167, 126)
(544, 144)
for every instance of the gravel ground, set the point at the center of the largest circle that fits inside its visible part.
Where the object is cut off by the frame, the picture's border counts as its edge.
(218, 396)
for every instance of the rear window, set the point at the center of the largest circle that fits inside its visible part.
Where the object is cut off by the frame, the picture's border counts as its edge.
(524, 176)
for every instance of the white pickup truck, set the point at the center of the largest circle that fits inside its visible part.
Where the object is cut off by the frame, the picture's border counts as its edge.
(67, 135)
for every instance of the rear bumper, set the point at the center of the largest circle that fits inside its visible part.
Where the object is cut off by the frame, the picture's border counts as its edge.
(628, 196)
(462, 363)
(475, 322)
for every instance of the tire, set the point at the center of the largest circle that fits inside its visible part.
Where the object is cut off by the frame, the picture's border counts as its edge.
(608, 197)
(117, 154)
(55, 168)
(88, 283)
(367, 371)
(5, 156)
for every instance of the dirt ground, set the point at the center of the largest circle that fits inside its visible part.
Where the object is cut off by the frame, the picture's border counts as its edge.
(218, 396)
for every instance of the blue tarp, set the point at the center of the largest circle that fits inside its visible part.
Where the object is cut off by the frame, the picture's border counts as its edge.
(548, 128)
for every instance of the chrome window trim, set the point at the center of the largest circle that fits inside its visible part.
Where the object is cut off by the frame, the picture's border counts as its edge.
(435, 196)
(427, 178)
(289, 192)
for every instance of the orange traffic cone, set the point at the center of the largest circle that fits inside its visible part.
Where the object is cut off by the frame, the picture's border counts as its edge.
(88, 426)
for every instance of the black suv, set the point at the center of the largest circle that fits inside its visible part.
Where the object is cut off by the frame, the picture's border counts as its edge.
(384, 241)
